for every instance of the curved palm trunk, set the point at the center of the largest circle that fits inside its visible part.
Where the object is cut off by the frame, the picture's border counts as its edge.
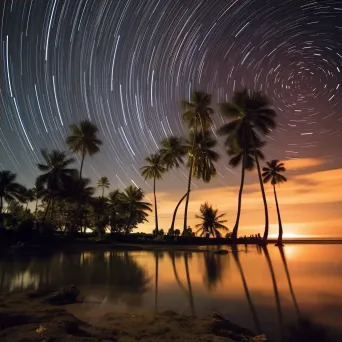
(263, 195)
(236, 226)
(36, 209)
(47, 209)
(191, 298)
(156, 283)
(247, 293)
(185, 226)
(155, 205)
(275, 289)
(82, 161)
(280, 235)
(283, 258)
(175, 212)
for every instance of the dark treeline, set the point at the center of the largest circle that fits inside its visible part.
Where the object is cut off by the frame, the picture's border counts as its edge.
(65, 201)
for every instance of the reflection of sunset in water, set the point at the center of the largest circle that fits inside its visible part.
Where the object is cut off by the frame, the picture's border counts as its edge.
(243, 285)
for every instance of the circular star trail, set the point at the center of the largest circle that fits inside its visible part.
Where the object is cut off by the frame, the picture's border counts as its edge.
(125, 65)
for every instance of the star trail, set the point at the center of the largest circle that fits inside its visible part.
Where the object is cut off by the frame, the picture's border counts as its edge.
(125, 65)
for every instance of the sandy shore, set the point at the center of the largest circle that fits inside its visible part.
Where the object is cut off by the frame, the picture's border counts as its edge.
(27, 318)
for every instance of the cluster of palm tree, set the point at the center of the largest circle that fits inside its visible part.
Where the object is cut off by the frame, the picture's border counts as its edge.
(65, 199)
(63, 192)
(250, 118)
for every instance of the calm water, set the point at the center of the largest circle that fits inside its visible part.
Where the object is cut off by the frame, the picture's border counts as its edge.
(260, 289)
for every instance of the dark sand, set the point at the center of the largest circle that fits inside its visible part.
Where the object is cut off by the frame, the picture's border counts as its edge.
(24, 319)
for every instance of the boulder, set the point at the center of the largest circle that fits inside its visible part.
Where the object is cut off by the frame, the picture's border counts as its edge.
(66, 295)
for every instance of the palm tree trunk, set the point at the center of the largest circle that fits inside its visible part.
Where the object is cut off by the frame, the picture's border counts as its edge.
(102, 192)
(280, 235)
(36, 209)
(263, 195)
(236, 226)
(26, 206)
(155, 205)
(46, 210)
(129, 219)
(175, 213)
(247, 293)
(191, 297)
(275, 289)
(82, 161)
(185, 226)
(283, 258)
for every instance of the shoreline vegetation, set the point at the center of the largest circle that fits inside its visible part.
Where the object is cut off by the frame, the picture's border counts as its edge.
(65, 202)
(37, 316)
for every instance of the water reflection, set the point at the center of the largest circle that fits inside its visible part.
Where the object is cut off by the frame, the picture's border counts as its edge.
(285, 292)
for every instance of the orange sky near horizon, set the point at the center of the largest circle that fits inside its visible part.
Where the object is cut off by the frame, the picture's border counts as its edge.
(310, 202)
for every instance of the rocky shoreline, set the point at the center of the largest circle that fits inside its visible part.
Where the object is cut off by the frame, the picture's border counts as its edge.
(34, 316)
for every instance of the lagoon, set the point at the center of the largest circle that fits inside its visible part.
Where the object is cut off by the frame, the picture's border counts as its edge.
(276, 291)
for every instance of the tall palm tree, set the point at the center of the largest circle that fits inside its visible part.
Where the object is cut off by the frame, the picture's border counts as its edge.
(273, 173)
(172, 151)
(83, 140)
(137, 208)
(103, 183)
(197, 115)
(251, 116)
(154, 170)
(56, 172)
(211, 222)
(201, 162)
(245, 157)
(9, 188)
(38, 192)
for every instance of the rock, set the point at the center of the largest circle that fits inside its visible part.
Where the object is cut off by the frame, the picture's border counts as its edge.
(221, 251)
(65, 295)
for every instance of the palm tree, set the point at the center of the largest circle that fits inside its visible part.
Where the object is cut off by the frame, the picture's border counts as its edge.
(172, 152)
(201, 159)
(9, 188)
(273, 173)
(103, 183)
(114, 204)
(83, 140)
(211, 222)
(38, 192)
(245, 157)
(133, 198)
(56, 172)
(250, 114)
(154, 170)
(196, 113)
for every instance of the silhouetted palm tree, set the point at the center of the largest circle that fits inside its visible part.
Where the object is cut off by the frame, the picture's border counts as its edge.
(154, 170)
(197, 114)
(9, 190)
(273, 173)
(201, 161)
(245, 157)
(250, 114)
(172, 152)
(28, 197)
(83, 140)
(114, 205)
(213, 269)
(56, 172)
(133, 197)
(211, 222)
(103, 183)
(172, 228)
(38, 192)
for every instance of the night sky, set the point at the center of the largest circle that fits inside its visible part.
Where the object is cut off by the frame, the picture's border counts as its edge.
(126, 65)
